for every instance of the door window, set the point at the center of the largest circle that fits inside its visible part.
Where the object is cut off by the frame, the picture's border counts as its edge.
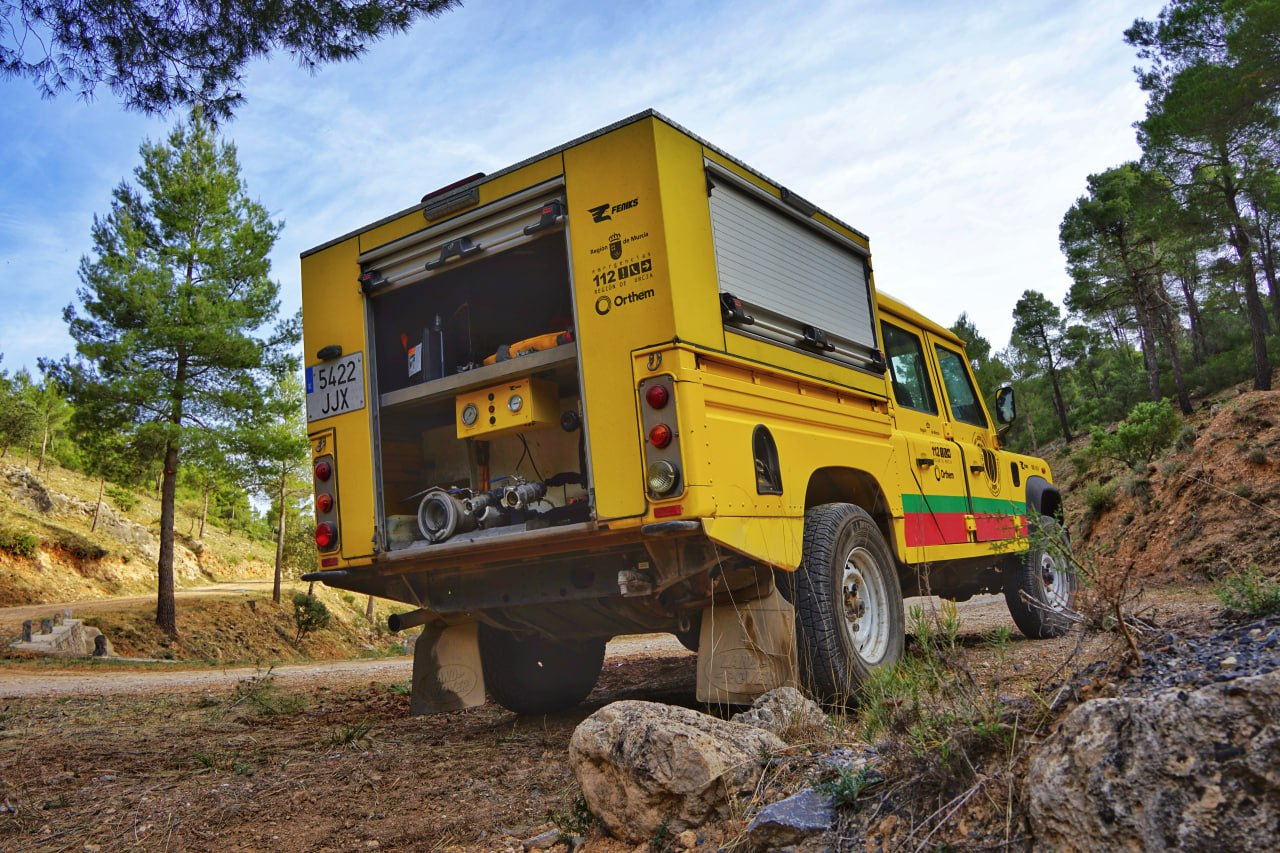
(908, 370)
(965, 406)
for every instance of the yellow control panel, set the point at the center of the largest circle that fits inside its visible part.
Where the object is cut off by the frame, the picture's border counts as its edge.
(511, 407)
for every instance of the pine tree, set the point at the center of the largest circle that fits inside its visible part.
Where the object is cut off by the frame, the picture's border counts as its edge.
(158, 55)
(173, 298)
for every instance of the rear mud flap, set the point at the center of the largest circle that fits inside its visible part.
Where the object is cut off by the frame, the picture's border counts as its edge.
(746, 650)
(446, 670)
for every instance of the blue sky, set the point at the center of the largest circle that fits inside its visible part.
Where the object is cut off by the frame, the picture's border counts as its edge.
(954, 134)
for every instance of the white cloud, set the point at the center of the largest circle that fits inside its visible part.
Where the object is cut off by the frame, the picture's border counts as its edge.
(954, 135)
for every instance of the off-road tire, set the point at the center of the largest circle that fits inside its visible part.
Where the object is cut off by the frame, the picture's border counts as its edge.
(846, 570)
(1047, 577)
(690, 639)
(530, 675)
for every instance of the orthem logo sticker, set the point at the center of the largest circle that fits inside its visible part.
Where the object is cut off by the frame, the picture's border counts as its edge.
(603, 304)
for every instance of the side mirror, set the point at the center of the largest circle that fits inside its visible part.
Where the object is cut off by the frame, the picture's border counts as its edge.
(1006, 409)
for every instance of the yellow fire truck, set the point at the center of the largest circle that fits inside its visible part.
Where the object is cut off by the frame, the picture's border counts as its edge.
(632, 385)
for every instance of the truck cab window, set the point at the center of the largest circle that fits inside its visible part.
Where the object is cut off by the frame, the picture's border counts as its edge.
(907, 368)
(965, 407)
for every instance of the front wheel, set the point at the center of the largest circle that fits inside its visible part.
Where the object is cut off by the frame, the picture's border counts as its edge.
(1041, 591)
(848, 602)
(528, 674)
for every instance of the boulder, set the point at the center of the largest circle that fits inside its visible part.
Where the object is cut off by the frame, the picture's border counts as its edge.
(643, 764)
(801, 821)
(787, 713)
(1185, 769)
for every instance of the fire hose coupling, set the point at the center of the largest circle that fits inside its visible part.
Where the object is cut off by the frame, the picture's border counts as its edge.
(521, 495)
(441, 515)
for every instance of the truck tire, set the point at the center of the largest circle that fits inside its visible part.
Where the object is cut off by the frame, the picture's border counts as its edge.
(848, 602)
(531, 675)
(1047, 578)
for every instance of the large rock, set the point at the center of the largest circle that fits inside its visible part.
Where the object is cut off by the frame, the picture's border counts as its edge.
(642, 764)
(787, 713)
(1193, 770)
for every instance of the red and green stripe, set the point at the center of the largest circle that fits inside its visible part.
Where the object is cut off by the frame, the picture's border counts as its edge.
(940, 519)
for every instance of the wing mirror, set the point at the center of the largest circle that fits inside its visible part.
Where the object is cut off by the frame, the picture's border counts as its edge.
(1006, 409)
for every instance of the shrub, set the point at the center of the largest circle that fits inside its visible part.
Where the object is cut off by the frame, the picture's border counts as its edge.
(1250, 591)
(309, 614)
(1149, 428)
(1186, 439)
(19, 542)
(124, 499)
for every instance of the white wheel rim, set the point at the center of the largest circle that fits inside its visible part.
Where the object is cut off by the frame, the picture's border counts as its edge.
(865, 601)
(1055, 578)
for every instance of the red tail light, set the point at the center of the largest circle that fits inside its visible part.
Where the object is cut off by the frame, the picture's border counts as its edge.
(657, 396)
(324, 502)
(660, 435)
(326, 535)
(324, 470)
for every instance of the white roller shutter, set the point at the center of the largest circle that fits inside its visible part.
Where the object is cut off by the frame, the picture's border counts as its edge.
(773, 261)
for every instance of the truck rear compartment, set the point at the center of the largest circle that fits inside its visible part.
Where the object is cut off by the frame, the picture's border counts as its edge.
(452, 337)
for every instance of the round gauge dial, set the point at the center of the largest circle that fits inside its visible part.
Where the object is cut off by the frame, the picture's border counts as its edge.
(515, 403)
(469, 414)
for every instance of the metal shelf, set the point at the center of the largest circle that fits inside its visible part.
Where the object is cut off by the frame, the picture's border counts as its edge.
(450, 386)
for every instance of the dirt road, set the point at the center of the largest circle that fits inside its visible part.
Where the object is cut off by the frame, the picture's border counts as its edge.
(11, 618)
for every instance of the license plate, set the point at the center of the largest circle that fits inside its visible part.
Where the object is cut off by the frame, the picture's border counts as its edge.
(335, 387)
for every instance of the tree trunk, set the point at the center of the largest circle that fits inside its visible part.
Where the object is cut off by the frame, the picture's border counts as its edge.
(1169, 327)
(166, 610)
(204, 511)
(97, 510)
(368, 609)
(44, 443)
(1149, 358)
(275, 589)
(1199, 351)
(1238, 235)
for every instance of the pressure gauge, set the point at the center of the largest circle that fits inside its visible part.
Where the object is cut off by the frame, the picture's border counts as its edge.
(469, 414)
(515, 403)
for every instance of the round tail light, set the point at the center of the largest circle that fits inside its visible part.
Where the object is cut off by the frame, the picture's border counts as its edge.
(326, 535)
(660, 435)
(324, 470)
(657, 396)
(324, 502)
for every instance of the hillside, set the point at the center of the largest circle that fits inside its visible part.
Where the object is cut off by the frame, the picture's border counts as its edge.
(1207, 507)
(49, 555)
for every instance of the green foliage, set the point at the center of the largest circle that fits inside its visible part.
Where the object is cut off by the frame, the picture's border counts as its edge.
(575, 819)
(1149, 429)
(125, 499)
(1250, 592)
(845, 785)
(309, 614)
(351, 734)
(77, 545)
(19, 542)
(156, 57)
(169, 330)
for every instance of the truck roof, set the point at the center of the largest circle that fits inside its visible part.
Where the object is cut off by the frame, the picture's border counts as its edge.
(640, 116)
(889, 305)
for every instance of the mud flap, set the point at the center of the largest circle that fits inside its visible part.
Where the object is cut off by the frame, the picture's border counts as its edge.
(446, 669)
(746, 650)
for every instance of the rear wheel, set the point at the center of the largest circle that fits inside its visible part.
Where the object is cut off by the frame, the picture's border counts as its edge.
(1041, 591)
(528, 674)
(848, 602)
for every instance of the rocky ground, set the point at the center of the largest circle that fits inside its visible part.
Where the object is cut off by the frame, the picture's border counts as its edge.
(315, 762)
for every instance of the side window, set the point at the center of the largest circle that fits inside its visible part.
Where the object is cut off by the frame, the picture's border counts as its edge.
(964, 400)
(908, 370)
